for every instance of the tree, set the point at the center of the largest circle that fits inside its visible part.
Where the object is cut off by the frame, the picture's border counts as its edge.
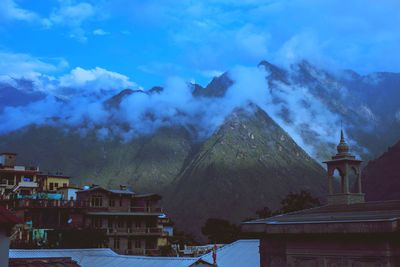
(220, 231)
(264, 213)
(298, 201)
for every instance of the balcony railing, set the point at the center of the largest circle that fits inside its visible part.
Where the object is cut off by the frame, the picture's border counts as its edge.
(146, 209)
(136, 231)
(37, 201)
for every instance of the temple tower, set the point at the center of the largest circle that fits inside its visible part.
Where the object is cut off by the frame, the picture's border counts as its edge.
(346, 164)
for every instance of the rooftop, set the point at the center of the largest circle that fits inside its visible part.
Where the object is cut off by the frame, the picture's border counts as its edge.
(95, 257)
(76, 254)
(333, 219)
(43, 262)
(241, 253)
(140, 261)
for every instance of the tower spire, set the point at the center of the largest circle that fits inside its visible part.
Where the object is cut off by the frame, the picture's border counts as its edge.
(342, 147)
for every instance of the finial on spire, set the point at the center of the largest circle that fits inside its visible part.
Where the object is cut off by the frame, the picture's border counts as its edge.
(342, 147)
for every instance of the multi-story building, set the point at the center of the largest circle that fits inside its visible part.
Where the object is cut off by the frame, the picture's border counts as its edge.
(51, 182)
(15, 179)
(130, 220)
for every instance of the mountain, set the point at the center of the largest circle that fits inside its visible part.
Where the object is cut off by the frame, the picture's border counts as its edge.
(248, 163)
(381, 177)
(252, 154)
(146, 164)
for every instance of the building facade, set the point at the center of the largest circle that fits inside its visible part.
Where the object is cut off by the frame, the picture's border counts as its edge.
(16, 179)
(130, 220)
(346, 232)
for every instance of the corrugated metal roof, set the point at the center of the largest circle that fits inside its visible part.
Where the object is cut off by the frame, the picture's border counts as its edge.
(137, 261)
(241, 253)
(75, 254)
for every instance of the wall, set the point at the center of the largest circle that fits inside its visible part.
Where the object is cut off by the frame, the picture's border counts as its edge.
(354, 251)
(4, 247)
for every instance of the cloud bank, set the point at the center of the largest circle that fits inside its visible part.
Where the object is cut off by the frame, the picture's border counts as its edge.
(79, 101)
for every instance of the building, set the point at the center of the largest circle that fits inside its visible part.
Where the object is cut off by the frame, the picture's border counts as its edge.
(167, 226)
(16, 179)
(68, 192)
(130, 220)
(7, 221)
(346, 232)
(51, 182)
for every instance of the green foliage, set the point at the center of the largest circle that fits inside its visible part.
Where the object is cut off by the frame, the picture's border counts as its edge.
(166, 251)
(292, 202)
(264, 213)
(220, 231)
(298, 201)
(181, 238)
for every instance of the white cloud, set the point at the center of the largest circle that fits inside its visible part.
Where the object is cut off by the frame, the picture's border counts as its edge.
(9, 10)
(23, 66)
(96, 79)
(100, 32)
(72, 16)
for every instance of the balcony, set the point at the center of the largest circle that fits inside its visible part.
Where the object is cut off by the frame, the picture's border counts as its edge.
(147, 231)
(44, 203)
(28, 184)
(146, 209)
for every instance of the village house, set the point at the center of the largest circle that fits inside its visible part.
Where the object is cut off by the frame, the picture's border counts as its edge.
(347, 231)
(130, 220)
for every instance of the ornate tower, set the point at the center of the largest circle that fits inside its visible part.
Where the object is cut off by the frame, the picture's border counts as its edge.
(346, 165)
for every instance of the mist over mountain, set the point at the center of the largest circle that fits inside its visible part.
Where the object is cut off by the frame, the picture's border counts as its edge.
(252, 134)
(308, 102)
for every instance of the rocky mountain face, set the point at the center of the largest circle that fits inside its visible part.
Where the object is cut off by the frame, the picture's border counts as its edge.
(248, 162)
(381, 176)
(252, 159)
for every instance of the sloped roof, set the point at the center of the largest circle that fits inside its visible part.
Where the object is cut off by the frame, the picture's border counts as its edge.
(375, 216)
(139, 261)
(241, 253)
(43, 262)
(76, 254)
(7, 218)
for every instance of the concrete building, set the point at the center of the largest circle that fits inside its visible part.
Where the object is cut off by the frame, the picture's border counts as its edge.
(68, 192)
(130, 220)
(16, 179)
(51, 182)
(345, 232)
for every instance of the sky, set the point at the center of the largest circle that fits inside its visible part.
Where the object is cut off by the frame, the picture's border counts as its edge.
(144, 43)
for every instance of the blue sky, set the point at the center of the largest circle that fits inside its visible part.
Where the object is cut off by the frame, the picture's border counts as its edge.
(149, 41)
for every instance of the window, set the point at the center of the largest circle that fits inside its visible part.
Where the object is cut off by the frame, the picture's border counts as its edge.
(138, 243)
(110, 223)
(137, 224)
(129, 243)
(51, 186)
(120, 223)
(97, 201)
(56, 185)
(116, 242)
(96, 222)
(120, 202)
(111, 202)
(65, 185)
